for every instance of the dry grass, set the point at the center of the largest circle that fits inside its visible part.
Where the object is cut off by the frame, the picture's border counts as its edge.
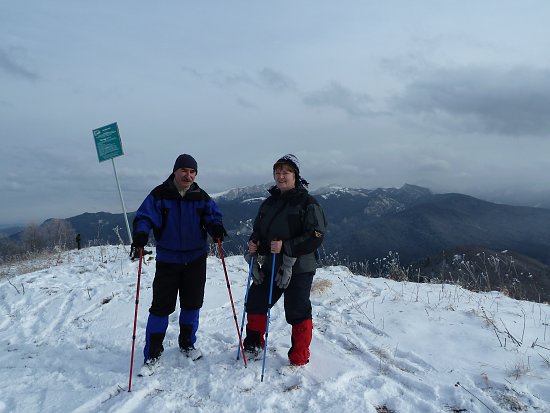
(31, 263)
(518, 369)
(383, 409)
(511, 402)
(321, 285)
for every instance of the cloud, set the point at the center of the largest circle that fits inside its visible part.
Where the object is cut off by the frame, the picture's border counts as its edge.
(235, 79)
(337, 96)
(433, 165)
(193, 71)
(275, 81)
(482, 100)
(265, 79)
(246, 104)
(10, 66)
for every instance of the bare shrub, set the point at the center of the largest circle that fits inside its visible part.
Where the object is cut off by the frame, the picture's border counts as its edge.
(518, 369)
(58, 233)
(34, 238)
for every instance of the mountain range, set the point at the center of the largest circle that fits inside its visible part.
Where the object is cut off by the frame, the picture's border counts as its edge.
(412, 221)
(367, 225)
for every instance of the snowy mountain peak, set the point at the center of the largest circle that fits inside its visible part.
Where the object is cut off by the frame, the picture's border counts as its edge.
(254, 191)
(259, 191)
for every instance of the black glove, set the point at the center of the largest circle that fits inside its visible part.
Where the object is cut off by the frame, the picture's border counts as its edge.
(140, 241)
(217, 232)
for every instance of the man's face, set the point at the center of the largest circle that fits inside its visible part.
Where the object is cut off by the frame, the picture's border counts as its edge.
(185, 177)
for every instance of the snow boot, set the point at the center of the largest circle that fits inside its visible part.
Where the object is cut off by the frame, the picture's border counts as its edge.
(253, 343)
(155, 348)
(184, 339)
(154, 336)
(149, 368)
(301, 339)
(255, 330)
(185, 342)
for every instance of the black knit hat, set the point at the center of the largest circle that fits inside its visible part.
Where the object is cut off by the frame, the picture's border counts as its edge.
(290, 160)
(185, 161)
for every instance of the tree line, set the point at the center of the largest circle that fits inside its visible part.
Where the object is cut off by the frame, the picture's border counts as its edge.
(52, 235)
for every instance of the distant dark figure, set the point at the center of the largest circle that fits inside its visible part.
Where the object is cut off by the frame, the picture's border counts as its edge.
(78, 241)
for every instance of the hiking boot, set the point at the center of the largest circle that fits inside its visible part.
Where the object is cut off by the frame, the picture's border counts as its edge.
(149, 367)
(154, 346)
(301, 339)
(255, 331)
(184, 339)
(185, 342)
(252, 343)
(192, 353)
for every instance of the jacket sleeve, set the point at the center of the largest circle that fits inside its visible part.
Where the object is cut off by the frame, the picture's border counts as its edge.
(256, 235)
(148, 216)
(315, 225)
(212, 216)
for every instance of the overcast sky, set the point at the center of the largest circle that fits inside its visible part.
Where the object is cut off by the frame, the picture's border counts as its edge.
(451, 95)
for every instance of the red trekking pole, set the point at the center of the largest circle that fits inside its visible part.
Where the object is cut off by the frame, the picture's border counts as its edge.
(231, 299)
(135, 319)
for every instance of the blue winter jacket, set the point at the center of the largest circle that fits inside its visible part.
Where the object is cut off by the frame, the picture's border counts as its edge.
(179, 224)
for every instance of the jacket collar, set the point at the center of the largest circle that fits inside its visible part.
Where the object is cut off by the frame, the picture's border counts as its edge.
(170, 183)
(274, 191)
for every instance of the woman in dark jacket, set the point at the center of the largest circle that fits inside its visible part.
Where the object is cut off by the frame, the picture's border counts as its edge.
(290, 226)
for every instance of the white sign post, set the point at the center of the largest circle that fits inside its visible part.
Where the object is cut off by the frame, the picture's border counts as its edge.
(109, 145)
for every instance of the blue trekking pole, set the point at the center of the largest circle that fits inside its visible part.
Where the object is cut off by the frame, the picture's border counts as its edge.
(269, 312)
(246, 298)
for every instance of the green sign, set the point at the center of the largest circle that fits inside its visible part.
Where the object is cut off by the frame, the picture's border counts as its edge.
(107, 142)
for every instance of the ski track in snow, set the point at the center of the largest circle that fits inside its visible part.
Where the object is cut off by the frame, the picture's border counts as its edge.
(66, 341)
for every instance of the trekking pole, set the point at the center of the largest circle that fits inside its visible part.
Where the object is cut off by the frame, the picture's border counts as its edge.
(231, 299)
(268, 312)
(135, 319)
(246, 296)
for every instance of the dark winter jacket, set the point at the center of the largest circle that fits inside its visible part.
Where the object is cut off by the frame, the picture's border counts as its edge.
(179, 224)
(296, 218)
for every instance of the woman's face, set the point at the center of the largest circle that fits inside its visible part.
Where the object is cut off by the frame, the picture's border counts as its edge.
(285, 178)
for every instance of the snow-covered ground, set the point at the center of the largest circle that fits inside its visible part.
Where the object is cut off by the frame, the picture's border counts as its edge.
(378, 346)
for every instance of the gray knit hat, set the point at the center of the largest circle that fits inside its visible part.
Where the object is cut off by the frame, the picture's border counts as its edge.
(291, 160)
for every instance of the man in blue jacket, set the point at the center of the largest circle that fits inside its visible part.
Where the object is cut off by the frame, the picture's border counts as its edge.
(180, 215)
